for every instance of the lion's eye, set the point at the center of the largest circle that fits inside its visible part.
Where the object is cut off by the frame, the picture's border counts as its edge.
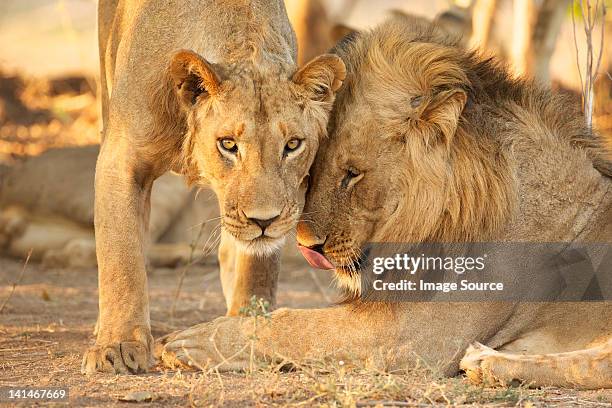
(351, 177)
(416, 102)
(229, 145)
(292, 145)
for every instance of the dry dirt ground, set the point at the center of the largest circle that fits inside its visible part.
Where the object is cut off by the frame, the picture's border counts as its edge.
(48, 320)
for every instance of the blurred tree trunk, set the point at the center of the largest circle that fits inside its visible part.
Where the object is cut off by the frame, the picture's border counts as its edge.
(547, 27)
(535, 30)
(312, 27)
(523, 22)
(483, 12)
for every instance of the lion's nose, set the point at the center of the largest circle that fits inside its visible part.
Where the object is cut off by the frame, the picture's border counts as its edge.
(308, 237)
(263, 224)
(263, 217)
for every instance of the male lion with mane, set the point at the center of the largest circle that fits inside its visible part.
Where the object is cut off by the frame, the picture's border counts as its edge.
(210, 89)
(432, 143)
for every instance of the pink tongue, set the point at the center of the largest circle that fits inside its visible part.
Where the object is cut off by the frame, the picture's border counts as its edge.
(315, 259)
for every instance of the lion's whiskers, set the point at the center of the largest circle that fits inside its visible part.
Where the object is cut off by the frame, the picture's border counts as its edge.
(214, 236)
(204, 222)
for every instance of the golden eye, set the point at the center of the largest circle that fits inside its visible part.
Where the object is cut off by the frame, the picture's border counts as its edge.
(293, 144)
(351, 176)
(228, 145)
(416, 102)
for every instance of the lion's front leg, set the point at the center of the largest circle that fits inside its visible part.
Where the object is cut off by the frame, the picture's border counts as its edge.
(246, 275)
(124, 341)
(342, 333)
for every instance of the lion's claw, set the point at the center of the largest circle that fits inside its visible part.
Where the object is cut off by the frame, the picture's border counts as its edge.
(160, 344)
(120, 358)
(476, 364)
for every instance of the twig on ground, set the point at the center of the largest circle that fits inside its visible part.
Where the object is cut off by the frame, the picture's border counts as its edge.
(318, 284)
(17, 282)
(179, 286)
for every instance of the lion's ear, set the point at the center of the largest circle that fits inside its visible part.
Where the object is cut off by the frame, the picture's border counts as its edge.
(321, 77)
(193, 77)
(444, 111)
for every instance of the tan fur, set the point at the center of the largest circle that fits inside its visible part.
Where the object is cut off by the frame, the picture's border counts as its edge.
(179, 77)
(439, 144)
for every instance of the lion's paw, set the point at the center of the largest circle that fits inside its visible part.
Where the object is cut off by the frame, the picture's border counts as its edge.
(166, 356)
(476, 363)
(120, 358)
(218, 344)
(187, 348)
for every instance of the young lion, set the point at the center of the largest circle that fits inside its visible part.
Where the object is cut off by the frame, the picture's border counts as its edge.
(208, 88)
(431, 143)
